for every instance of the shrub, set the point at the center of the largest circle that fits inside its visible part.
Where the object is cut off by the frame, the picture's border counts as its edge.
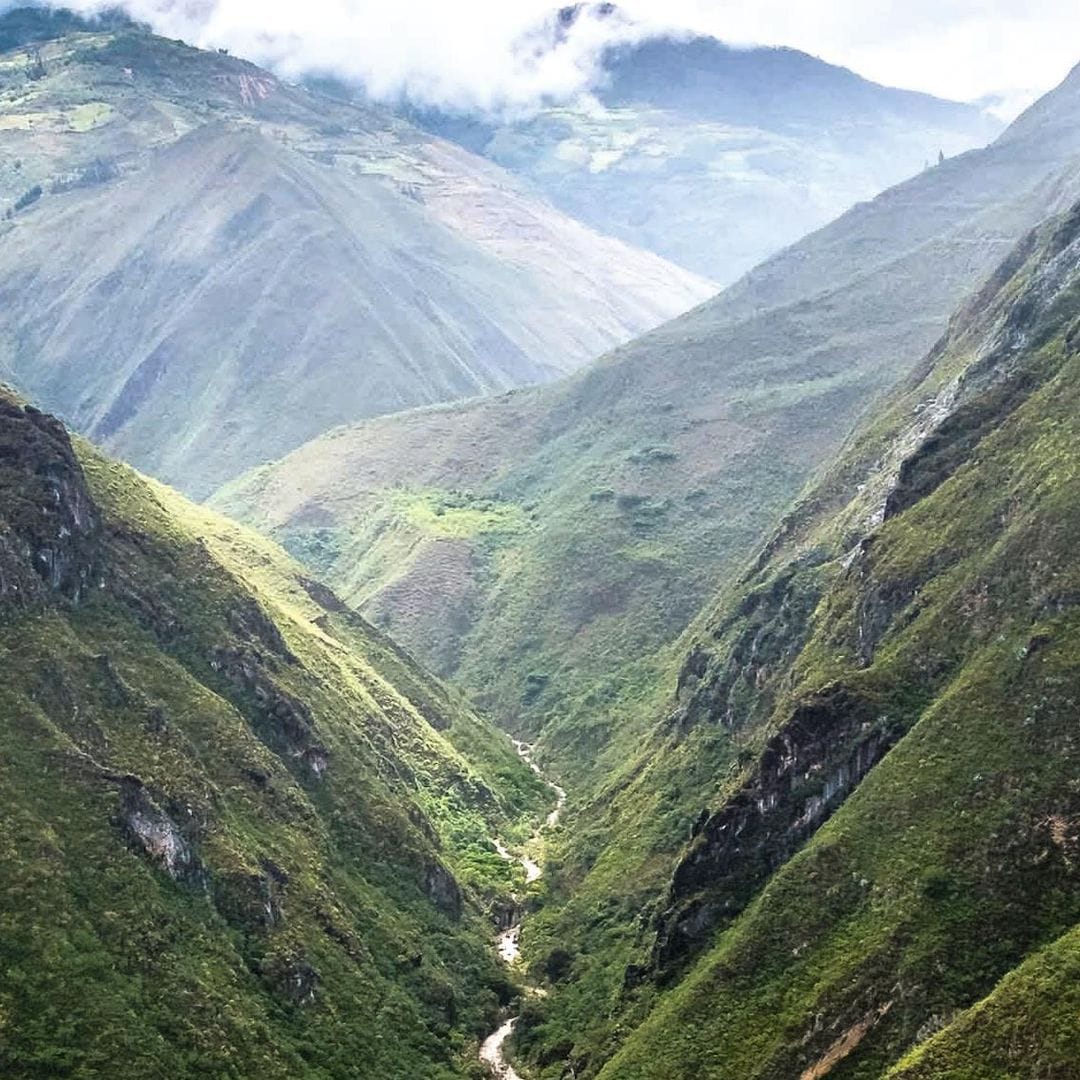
(27, 198)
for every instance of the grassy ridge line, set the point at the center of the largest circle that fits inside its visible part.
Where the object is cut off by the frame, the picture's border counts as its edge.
(1025, 1023)
(953, 859)
(244, 834)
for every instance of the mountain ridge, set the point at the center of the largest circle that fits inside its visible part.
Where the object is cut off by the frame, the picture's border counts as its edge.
(890, 689)
(239, 819)
(341, 247)
(680, 451)
(717, 157)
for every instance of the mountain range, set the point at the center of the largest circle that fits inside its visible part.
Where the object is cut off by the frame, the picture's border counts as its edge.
(717, 157)
(222, 243)
(706, 711)
(460, 529)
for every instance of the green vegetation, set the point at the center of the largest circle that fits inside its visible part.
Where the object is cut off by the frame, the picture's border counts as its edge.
(827, 825)
(649, 478)
(1026, 1026)
(884, 713)
(245, 834)
(457, 515)
(27, 198)
(90, 115)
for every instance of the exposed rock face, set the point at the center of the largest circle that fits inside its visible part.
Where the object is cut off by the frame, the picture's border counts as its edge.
(807, 769)
(832, 741)
(324, 596)
(49, 525)
(442, 890)
(254, 901)
(249, 620)
(296, 980)
(878, 603)
(771, 626)
(156, 834)
(166, 711)
(282, 720)
(301, 982)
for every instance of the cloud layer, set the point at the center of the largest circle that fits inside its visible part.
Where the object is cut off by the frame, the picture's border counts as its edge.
(482, 54)
(490, 53)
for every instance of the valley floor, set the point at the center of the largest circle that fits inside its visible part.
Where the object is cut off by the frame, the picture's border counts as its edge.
(492, 1051)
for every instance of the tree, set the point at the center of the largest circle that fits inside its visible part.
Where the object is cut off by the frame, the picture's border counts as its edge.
(35, 66)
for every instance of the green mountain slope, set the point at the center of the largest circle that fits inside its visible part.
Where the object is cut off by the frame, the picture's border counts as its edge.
(1026, 1023)
(540, 546)
(880, 720)
(717, 157)
(226, 245)
(244, 834)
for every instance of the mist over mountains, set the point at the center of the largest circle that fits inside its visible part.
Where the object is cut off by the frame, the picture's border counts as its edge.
(223, 243)
(716, 157)
(482, 55)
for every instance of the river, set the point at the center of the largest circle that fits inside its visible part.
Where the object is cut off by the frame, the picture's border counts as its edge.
(492, 1050)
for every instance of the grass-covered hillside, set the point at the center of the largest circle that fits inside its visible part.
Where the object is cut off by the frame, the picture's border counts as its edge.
(230, 247)
(539, 547)
(244, 835)
(861, 797)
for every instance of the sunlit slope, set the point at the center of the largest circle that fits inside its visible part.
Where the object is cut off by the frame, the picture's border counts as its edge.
(245, 835)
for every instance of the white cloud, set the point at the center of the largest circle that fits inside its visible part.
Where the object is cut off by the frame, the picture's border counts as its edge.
(478, 52)
(475, 53)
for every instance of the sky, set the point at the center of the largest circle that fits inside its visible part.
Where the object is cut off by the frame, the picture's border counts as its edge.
(483, 53)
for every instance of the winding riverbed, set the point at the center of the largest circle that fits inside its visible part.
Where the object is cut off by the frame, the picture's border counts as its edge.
(491, 1052)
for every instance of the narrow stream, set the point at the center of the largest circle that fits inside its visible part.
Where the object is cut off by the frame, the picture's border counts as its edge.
(491, 1052)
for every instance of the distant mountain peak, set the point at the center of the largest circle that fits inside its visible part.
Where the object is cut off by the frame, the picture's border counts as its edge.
(560, 27)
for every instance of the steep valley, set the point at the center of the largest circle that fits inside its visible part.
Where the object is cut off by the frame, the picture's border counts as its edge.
(706, 711)
(865, 778)
(493, 1049)
(828, 828)
(540, 547)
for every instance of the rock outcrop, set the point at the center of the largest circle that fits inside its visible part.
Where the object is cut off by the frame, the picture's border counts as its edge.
(49, 526)
(808, 768)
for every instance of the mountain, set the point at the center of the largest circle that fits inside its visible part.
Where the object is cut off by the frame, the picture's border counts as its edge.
(864, 775)
(244, 834)
(541, 546)
(205, 244)
(716, 157)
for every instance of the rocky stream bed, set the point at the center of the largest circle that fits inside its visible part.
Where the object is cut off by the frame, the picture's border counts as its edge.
(492, 1051)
